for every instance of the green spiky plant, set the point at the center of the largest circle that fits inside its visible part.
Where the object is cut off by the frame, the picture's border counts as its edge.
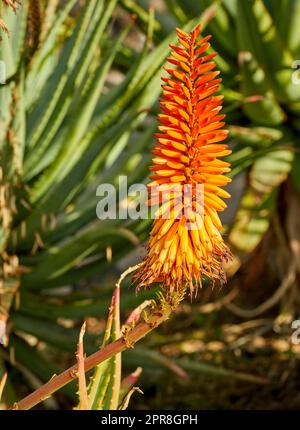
(65, 128)
(75, 129)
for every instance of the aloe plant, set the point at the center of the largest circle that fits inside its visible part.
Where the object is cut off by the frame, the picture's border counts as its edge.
(66, 128)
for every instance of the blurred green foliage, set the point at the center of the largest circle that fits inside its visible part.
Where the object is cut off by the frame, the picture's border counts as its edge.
(78, 109)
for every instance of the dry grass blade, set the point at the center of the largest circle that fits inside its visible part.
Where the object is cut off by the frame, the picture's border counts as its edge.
(2, 384)
(125, 403)
(287, 282)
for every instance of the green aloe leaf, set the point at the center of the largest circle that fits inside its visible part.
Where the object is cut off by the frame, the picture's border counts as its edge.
(252, 220)
(221, 28)
(47, 56)
(270, 171)
(54, 334)
(258, 202)
(38, 362)
(54, 307)
(286, 17)
(258, 34)
(265, 110)
(58, 260)
(77, 128)
(105, 385)
(295, 174)
(56, 97)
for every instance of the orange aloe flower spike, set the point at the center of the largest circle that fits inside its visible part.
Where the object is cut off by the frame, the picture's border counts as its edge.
(187, 244)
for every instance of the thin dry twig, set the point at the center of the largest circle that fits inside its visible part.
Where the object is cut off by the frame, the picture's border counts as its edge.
(125, 402)
(216, 306)
(126, 273)
(2, 384)
(250, 336)
(286, 283)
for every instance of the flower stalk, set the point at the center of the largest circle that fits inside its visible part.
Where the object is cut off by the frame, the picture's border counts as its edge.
(120, 345)
(160, 311)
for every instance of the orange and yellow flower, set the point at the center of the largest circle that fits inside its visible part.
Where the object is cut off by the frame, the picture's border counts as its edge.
(187, 244)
